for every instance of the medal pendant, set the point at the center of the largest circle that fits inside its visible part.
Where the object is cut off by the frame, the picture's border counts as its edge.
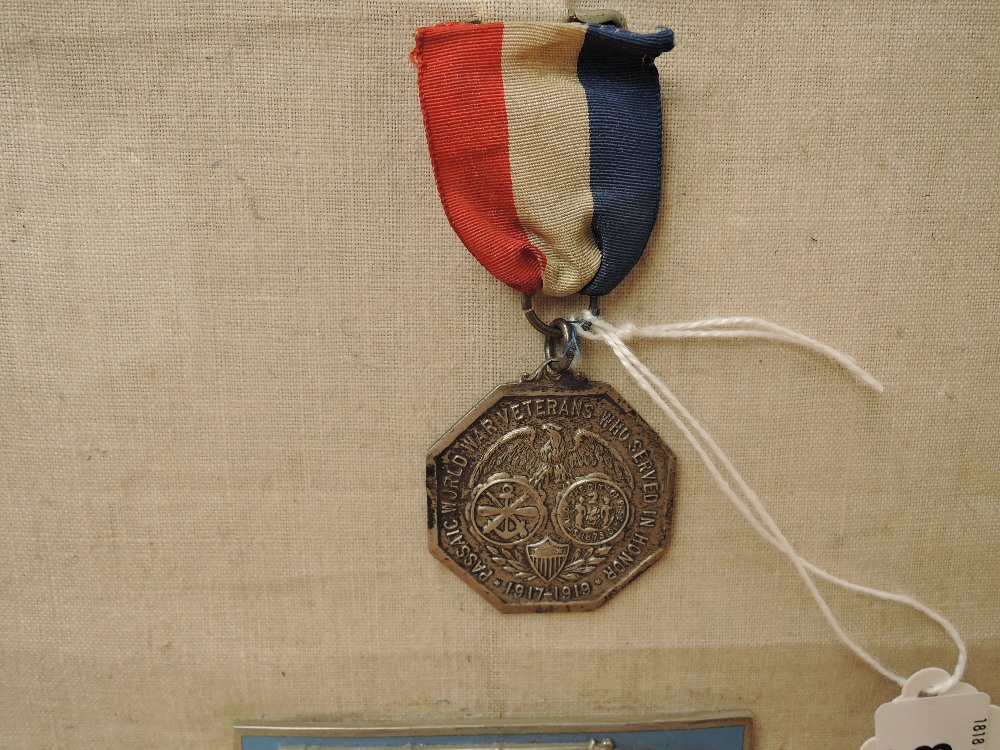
(551, 495)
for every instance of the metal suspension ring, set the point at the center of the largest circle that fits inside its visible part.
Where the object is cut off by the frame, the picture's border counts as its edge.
(560, 349)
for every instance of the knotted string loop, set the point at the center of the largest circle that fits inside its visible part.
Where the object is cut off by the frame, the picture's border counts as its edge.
(731, 482)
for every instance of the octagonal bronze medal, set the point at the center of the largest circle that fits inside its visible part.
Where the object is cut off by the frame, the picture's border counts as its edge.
(551, 495)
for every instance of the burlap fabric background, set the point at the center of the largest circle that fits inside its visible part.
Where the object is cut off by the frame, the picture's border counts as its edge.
(233, 318)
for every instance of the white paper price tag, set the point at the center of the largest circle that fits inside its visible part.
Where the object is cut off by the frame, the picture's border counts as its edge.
(944, 722)
(957, 720)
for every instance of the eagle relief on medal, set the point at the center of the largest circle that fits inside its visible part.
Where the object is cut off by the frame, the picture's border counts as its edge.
(550, 495)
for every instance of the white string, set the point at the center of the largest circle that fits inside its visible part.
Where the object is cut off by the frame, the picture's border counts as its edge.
(743, 497)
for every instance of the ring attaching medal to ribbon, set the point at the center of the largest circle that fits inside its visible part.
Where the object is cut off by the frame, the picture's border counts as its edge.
(552, 493)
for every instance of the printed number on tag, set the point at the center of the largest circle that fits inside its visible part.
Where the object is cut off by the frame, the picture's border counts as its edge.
(944, 722)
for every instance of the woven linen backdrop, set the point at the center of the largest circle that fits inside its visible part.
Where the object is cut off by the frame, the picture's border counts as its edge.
(233, 318)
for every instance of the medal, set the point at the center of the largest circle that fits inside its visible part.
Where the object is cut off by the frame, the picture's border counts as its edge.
(552, 493)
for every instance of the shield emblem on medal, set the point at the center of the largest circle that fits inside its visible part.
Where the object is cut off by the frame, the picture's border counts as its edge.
(547, 558)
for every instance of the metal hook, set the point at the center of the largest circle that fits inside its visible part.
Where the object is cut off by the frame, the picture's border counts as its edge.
(537, 323)
(602, 16)
(549, 330)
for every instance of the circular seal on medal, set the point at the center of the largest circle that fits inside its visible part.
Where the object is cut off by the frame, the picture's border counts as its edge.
(592, 510)
(550, 495)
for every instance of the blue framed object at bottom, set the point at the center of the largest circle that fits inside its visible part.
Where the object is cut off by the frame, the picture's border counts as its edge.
(729, 731)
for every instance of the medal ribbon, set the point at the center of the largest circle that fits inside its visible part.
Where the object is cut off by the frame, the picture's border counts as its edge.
(546, 143)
